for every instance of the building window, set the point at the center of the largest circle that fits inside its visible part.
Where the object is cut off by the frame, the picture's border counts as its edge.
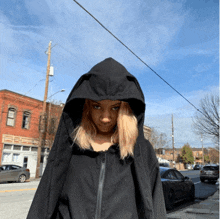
(7, 146)
(26, 148)
(26, 120)
(17, 147)
(33, 148)
(15, 157)
(11, 117)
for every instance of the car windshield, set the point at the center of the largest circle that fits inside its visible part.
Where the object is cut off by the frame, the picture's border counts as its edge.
(211, 168)
(162, 171)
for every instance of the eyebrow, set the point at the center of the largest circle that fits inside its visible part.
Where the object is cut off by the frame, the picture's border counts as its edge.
(117, 104)
(94, 102)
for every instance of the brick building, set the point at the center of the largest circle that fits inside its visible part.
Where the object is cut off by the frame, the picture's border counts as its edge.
(197, 154)
(167, 153)
(20, 129)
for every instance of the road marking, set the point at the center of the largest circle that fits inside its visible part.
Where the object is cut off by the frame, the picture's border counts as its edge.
(17, 190)
(197, 182)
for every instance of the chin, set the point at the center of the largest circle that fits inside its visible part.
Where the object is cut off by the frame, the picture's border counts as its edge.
(105, 130)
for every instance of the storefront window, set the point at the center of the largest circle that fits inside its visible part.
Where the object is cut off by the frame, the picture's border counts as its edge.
(6, 157)
(15, 157)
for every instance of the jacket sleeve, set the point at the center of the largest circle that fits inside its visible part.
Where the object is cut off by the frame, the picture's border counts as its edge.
(50, 186)
(152, 182)
(157, 193)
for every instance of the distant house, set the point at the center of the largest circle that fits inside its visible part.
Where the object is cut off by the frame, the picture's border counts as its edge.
(167, 153)
(197, 154)
(20, 127)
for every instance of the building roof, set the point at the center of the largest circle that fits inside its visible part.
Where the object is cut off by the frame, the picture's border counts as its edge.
(5, 90)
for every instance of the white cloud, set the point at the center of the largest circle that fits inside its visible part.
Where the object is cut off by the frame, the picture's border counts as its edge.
(158, 115)
(146, 27)
(176, 104)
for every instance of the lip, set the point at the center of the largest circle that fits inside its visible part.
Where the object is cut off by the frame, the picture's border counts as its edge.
(105, 126)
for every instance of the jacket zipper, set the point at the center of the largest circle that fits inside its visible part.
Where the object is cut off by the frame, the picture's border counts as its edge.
(100, 188)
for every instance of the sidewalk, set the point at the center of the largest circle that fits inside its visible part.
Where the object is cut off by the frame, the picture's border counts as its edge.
(207, 209)
(34, 179)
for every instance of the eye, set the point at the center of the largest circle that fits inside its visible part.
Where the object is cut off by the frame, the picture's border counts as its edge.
(96, 107)
(115, 108)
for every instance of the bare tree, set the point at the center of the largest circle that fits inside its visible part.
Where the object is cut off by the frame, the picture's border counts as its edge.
(213, 155)
(163, 141)
(153, 138)
(53, 116)
(206, 121)
(158, 140)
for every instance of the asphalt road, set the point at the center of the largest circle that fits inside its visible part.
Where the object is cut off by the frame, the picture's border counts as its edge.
(16, 198)
(202, 190)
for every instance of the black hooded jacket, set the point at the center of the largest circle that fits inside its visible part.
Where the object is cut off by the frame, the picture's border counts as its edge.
(57, 196)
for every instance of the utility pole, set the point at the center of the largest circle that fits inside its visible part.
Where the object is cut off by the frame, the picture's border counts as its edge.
(202, 150)
(173, 137)
(43, 116)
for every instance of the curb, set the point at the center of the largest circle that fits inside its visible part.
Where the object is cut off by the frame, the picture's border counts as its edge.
(208, 208)
(34, 179)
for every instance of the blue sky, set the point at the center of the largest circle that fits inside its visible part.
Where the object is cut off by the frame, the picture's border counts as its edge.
(178, 39)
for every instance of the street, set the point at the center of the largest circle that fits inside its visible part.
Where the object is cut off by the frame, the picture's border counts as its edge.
(202, 190)
(16, 198)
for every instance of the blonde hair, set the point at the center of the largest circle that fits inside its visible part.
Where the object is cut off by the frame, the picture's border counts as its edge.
(125, 134)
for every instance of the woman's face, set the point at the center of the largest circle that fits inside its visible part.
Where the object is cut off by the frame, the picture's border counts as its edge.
(104, 115)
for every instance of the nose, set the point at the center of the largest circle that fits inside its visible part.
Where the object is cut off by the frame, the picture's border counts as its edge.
(105, 117)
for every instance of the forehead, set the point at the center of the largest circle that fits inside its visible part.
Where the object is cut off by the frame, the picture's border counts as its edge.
(106, 102)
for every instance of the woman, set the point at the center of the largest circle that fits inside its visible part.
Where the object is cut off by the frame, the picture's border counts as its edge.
(100, 165)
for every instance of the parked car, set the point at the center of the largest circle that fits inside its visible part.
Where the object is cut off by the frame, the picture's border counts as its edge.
(14, 173)
(189, 166)
(210, 173)
(197, 167)
(176, 187)
(164, 164)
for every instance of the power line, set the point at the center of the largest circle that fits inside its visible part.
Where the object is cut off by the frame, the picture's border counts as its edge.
(137, 56)
(67, 50)
(27, 92)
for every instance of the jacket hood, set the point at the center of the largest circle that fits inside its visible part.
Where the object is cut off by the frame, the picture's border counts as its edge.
(106, 80)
